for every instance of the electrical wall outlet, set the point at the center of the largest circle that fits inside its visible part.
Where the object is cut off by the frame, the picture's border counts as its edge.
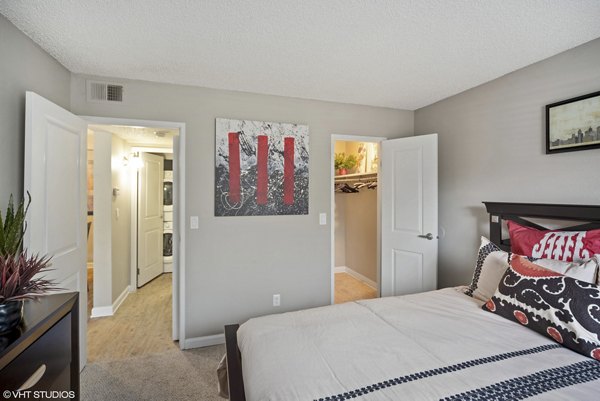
(276, 300)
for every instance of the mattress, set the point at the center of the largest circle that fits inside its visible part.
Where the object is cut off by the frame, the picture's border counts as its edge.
(438, 345)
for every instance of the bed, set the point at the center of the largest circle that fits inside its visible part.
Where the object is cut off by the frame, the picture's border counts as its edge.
(438, 345)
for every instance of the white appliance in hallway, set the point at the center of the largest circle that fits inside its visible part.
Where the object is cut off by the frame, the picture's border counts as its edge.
(168, 222)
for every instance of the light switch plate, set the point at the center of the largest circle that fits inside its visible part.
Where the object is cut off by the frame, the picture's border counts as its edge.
(194, 222)
(322, 219)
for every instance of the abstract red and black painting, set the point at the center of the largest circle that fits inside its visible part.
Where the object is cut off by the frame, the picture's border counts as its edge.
(261, 168)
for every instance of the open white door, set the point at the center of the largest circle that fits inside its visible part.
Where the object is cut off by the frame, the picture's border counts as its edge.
(150, 218)
(409, 215)
(55, 176)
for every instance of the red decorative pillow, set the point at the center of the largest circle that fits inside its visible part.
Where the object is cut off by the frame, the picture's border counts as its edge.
(567, 246)
(556, 306)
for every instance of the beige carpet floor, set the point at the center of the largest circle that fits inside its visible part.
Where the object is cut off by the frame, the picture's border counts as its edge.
(172, 375)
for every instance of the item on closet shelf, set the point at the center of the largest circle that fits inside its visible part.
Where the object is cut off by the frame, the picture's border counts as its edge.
(338, 163)
(350, 163)
(345, 164)
(375, 164)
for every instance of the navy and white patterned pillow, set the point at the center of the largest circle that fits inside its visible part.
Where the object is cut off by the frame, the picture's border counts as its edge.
(491, 264)
(557, 306)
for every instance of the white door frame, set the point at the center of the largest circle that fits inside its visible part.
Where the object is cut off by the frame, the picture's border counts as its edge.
(179, 225)
(351, 138)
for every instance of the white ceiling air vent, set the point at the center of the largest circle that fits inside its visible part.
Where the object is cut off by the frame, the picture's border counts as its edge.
(104, 92)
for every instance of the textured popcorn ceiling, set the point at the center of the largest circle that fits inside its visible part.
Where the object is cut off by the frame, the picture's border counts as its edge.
(396, 53)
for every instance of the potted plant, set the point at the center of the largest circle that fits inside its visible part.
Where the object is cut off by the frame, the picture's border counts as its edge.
(350, 162)
(340, 163)
(18, 269)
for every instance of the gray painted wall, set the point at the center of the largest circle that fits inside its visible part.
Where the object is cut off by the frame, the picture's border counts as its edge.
(102, 220)
(121, 221)
(112, 235)
(236, 264)
(340, 230)
(361, 232)
(24, 66)
(492, 147)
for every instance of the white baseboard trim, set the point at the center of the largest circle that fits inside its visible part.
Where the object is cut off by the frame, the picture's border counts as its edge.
(339, 269)
(120, 299)
(356, 275)
(206, 341)
(103, 311)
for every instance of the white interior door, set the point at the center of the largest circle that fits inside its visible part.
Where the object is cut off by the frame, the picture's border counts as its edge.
(409, 215)
(55, 176)
(150, 218)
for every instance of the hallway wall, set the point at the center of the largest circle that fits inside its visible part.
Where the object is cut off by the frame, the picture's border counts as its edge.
(122, 177)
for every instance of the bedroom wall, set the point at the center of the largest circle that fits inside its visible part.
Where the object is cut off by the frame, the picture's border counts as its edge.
(24, 66)
(492, 147)
(236, 264)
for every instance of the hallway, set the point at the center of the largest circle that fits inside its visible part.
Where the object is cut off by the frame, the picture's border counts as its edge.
(141, 326)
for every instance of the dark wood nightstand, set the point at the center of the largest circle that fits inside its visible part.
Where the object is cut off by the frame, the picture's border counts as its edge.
(43, 353)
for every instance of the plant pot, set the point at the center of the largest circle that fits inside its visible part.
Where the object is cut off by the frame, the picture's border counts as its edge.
(11, 314)
(342, 171)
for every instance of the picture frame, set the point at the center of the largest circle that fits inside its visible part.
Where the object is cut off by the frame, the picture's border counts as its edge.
(261, 168)
(573, 124)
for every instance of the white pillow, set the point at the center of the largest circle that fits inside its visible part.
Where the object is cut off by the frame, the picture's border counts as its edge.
(586, 270)
(491, 264)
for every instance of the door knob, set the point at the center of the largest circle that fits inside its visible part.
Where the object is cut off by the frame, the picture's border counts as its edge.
(428, 236)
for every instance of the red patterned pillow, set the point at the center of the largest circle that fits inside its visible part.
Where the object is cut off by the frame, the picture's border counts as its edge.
(557, 306)
(567, 246)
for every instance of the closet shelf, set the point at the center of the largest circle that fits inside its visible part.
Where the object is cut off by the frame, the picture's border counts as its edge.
(356, 177)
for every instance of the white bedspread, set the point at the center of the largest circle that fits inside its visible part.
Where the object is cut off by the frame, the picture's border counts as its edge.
(428, 346)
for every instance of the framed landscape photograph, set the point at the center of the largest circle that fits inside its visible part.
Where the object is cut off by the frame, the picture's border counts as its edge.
(573, 124)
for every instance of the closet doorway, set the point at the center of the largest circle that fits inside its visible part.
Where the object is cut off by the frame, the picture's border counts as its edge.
(356, 210)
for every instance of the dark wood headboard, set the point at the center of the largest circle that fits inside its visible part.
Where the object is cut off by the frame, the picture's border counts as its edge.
(589, 215)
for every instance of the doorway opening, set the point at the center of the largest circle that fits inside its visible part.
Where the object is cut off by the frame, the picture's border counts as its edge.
(355, 211)
(133, 306)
